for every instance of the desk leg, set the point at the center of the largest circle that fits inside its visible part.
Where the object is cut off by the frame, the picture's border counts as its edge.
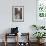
(5, 43)
(5, 40)
(17, 40)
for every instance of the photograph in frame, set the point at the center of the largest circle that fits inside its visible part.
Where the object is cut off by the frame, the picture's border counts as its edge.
(18, 13)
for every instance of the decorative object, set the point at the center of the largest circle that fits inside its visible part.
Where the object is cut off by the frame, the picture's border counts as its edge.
(14, 30)
(18, 13)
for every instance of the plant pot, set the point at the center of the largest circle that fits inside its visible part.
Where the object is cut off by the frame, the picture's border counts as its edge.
(40, 41)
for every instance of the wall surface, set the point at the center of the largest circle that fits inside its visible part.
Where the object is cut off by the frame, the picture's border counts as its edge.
(6, 15)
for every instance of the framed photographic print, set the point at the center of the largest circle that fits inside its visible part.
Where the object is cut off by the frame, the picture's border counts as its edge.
(18, 13)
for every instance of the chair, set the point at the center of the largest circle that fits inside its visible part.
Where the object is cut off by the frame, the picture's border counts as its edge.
(7, 35)
(26, 41)
(14, 32)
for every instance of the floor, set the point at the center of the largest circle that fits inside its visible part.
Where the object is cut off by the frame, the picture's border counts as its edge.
(13, 44)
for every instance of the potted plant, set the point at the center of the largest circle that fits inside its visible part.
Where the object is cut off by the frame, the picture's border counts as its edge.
(39, 35)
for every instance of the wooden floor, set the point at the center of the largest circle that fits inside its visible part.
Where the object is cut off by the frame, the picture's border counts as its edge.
(13, 44)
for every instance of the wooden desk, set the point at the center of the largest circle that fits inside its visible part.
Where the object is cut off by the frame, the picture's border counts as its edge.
(22, 34)
(8, 34)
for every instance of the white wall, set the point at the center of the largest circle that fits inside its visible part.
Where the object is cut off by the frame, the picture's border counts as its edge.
(6, 15)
